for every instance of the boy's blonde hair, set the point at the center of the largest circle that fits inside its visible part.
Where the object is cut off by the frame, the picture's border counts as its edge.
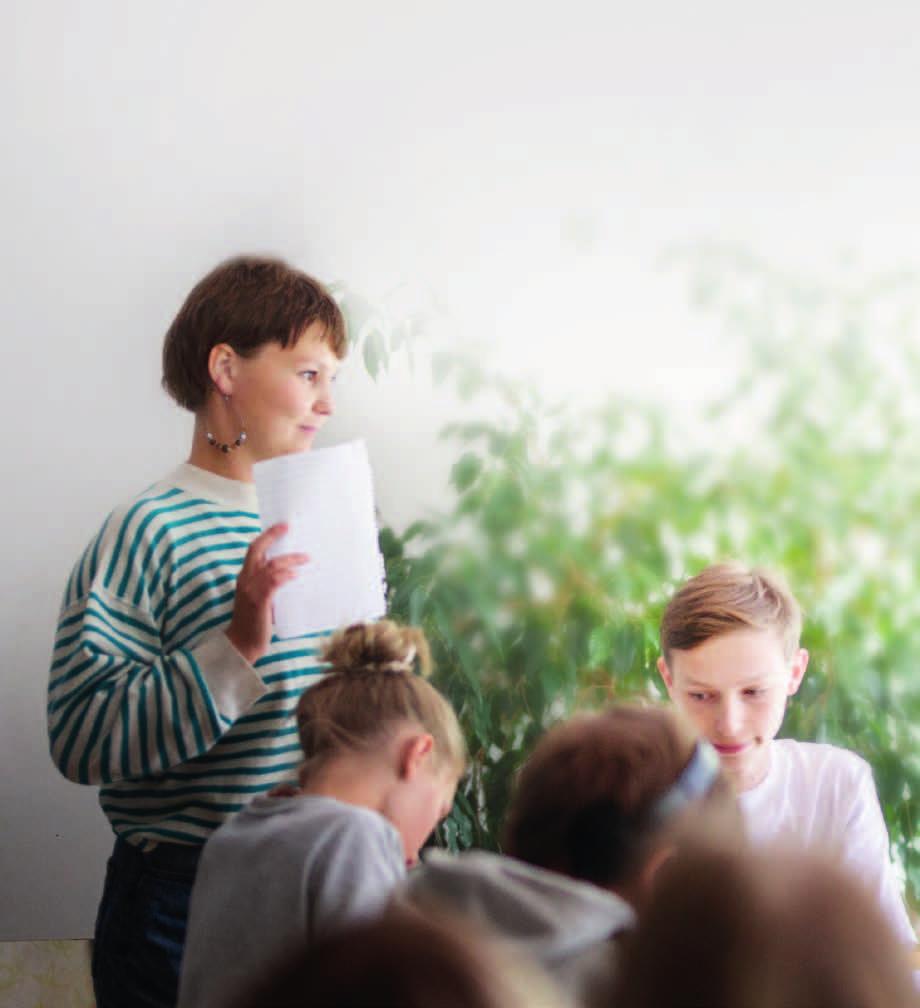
(370, 689)
(727, 597)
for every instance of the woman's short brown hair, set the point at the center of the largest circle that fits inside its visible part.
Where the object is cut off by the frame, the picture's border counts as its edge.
(585, 799)
(728, 597)
(245, 302)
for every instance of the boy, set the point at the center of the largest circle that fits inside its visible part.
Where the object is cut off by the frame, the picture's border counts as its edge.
(730, 660)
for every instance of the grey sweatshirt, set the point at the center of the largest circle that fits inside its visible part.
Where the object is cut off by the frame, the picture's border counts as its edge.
(279, 873)
(564, 925)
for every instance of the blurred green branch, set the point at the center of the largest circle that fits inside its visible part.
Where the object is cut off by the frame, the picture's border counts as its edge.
(542, 584)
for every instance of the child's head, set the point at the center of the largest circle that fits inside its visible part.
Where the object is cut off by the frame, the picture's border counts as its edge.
(254, 348)
(603, 797)
(372, 710)
(730, 658)
(405, 959)
(766, 930)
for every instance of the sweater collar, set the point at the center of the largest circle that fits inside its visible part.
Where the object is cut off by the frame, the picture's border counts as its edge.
(230, 492)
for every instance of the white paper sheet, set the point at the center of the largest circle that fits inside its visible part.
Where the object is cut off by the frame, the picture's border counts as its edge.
(327, 499)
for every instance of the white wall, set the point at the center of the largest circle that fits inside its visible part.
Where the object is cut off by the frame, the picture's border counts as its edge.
(494, 153)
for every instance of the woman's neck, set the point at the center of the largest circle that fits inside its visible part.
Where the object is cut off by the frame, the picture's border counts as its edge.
(234, 464)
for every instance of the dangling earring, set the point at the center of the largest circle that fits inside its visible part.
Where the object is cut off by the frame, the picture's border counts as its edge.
(221, 446)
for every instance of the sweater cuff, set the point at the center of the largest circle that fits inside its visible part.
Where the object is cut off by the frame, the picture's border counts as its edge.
(234, 683)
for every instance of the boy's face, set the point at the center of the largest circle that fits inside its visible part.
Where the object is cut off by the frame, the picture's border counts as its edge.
(734, 689)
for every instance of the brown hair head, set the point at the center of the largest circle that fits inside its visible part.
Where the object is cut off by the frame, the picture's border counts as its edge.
(370, 689)
(586, 798)
(737, 930)
(405, 959)
(728, 597)
(244, 302)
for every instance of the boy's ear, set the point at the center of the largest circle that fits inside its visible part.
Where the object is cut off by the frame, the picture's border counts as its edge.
(665, 674)
(797, 671)
(413, 753)
(222, 367)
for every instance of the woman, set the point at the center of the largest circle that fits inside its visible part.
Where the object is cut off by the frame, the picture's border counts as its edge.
(167, 689)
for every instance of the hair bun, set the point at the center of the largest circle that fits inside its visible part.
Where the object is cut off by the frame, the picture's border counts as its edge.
(383, 647)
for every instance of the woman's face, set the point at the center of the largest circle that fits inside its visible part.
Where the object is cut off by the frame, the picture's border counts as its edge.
(283, 395)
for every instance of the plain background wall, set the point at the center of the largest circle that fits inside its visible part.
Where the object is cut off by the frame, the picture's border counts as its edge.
(523, 162)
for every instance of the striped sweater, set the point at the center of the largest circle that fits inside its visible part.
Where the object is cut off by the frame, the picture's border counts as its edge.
(147, 697)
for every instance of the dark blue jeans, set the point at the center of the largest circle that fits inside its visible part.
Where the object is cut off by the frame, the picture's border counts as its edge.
(140, 928)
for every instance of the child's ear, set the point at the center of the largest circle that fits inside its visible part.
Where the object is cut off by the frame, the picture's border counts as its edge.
(665, 674)
(643, 884)
(222, 367)
(797, 671)
(653, 865)
(413, 754)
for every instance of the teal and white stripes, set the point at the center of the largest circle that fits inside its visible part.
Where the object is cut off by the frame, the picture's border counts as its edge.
(147, 697)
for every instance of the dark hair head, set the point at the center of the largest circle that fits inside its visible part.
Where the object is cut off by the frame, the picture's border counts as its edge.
(403, 959)
(586, 800)
(245, 302)
(737, 930)
(371, 688)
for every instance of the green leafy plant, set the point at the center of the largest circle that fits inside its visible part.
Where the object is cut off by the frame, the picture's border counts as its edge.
(542, 584)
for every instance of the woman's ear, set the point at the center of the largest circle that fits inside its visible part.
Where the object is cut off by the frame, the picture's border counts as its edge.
(413, 753)
(222, 367)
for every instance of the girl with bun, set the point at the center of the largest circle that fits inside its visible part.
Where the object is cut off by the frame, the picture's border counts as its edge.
(382, 756)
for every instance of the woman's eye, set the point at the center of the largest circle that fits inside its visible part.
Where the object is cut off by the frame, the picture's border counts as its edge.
(754, 692)
(701, 697)
(309, 375)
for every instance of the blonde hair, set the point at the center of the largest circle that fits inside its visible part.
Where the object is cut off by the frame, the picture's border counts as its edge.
(727, 597)
(371, 688)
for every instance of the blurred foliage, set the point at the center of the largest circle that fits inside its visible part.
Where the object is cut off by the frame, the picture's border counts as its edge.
(542, 583)
(390, 325)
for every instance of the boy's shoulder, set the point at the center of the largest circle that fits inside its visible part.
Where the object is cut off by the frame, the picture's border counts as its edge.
(819, 762)
(811, 794)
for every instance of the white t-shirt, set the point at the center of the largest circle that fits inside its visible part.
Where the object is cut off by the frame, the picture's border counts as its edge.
(280, 872)
(821, 796)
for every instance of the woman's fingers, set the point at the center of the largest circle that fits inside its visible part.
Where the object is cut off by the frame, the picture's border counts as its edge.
(260, 545)
(250, 626)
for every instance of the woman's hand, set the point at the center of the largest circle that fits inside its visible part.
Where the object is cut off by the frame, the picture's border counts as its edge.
(250, 629)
